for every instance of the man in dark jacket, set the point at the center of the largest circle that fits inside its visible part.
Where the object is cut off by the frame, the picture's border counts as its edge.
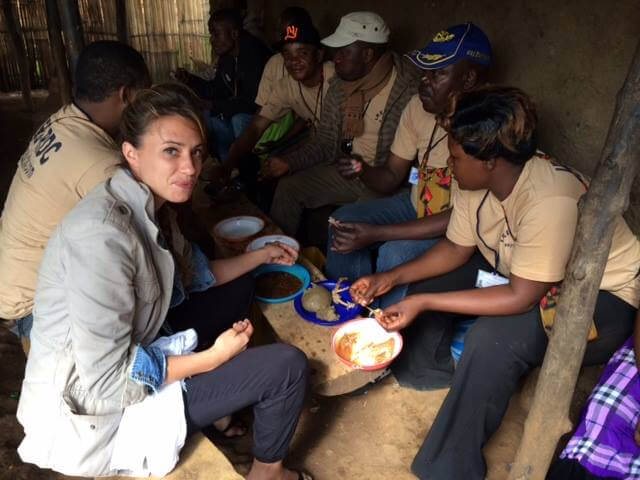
(232, 92)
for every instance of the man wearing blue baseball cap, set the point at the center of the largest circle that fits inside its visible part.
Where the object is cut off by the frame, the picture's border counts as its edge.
(404, 226)
(360, 115)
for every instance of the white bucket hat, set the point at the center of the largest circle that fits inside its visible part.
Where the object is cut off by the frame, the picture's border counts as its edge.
(364, 26)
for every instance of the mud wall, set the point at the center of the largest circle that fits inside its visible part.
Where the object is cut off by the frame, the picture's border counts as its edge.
(571, 56)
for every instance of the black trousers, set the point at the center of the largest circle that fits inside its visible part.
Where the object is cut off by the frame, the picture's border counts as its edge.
(271, 378)
(498, 351)
(213, 311)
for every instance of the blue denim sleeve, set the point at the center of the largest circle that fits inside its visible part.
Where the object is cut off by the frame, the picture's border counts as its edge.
(177, 294)
(203, 279)
(149, 367)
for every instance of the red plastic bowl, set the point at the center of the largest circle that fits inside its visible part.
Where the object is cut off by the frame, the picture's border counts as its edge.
(368, 327)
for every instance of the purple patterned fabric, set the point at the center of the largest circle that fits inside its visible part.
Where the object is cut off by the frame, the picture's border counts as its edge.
(604, 441)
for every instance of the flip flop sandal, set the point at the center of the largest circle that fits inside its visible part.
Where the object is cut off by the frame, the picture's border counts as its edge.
(220, 436)
(237, 424)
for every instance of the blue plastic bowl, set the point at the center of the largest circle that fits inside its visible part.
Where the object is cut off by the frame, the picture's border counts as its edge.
(296, 270)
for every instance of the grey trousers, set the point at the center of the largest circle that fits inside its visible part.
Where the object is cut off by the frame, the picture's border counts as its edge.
(271, 378)
(498, 351)
(312, 188)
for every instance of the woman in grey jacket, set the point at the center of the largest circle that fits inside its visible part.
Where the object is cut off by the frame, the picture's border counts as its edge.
(108, 277)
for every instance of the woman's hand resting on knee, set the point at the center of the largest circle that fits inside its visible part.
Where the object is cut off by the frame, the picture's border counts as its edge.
(227, 345)
(234, 340)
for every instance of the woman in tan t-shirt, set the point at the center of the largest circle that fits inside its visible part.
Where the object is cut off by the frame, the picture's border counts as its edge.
(511, 231)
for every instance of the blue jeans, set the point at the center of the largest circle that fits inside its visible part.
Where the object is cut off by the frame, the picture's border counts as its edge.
(224, 131)
(22, 327)
(382, 211)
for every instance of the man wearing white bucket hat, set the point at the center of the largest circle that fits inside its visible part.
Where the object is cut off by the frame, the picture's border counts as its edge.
(361, 112)
(364, 26)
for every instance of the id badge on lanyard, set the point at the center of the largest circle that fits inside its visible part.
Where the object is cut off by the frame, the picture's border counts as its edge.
(414, 176)
(490, 279)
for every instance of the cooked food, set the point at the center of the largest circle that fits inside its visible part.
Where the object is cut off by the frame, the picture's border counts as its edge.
(328, 314)
(335, 294)
(374, 312)
(317, 299)
(344, 346)
(363, 352)
(277, 285)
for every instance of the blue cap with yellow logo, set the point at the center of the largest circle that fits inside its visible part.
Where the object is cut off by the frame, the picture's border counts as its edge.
(452, 45)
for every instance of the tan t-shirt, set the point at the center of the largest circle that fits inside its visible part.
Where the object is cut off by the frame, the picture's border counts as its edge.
(67, 156)
(288, 94)
(273, 72)
(365, 145)
(532, 229)
(412, 139)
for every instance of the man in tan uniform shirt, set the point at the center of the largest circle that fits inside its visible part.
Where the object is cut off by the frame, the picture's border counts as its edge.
(360, 114)
(69, 154)
(301, 91)
(404, 226)
(274, 70)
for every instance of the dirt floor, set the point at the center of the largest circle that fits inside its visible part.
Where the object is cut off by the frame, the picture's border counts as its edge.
(371, 436)
(376, 435)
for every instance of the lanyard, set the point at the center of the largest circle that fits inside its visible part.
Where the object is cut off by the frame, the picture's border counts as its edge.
(346, 145)
(495, 252)
(431, 146)
(319, 98)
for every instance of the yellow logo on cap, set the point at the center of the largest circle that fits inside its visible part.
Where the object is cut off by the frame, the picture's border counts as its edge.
(443, 36)
(430, 57)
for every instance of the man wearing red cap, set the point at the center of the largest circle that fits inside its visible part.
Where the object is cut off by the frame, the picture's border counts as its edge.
(301, 91)
(359, 118)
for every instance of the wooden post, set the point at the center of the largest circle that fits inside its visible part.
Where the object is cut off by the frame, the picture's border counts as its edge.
(58, 51)
(121, 21)
(15, 36)
(72, 28)
(607, 198)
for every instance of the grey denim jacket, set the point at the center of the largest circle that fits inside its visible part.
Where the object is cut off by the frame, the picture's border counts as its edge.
(103, 291)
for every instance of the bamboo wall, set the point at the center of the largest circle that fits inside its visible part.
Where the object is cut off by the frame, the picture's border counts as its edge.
(32, 18)
(168, 33)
